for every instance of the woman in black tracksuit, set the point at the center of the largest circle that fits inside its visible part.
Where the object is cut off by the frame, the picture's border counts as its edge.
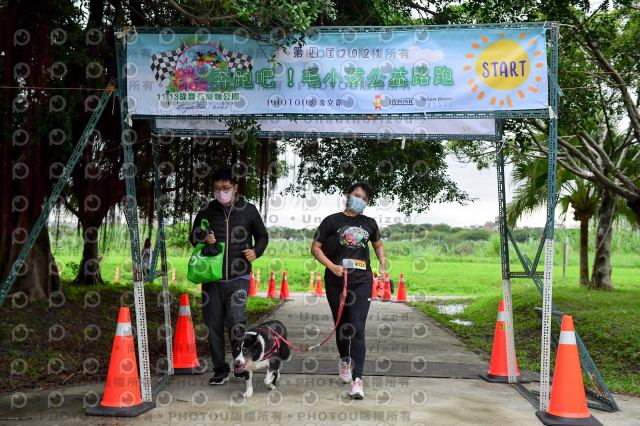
(234, 222)
(345, 236)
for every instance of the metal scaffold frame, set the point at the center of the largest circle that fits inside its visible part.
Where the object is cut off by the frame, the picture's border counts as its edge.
(543, 281)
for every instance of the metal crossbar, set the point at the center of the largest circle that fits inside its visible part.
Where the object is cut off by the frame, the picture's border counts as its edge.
(533, 113)
(525, 275)
(351, 29)
(57, 190)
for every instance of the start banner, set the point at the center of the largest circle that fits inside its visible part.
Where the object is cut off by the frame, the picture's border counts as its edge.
(350, 71)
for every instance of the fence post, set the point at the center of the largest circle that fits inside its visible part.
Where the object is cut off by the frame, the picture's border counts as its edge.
(565, 256)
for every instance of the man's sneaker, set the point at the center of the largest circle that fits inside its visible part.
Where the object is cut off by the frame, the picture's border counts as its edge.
(240, 375)
(356, 389)
(219, 378)
(345, 371)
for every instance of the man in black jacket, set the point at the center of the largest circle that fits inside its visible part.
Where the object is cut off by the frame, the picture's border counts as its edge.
(233, 221)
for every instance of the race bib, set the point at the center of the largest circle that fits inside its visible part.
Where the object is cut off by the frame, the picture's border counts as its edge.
(354, 264)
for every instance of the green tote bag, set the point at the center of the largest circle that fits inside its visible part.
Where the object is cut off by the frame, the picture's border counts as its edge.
(204, 269)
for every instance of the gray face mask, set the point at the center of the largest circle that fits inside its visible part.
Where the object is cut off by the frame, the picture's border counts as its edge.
(356, 205)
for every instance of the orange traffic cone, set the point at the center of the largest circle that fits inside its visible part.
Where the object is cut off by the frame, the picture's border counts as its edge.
(319, 291)
(498, 370)
(284, 287)
(568, 403)
(252, 285)
(258, 280)
(122, 390)
(401, 296)
(374, 288)
(386, 294)
(185, 355)
(272, 286)
(313, 275)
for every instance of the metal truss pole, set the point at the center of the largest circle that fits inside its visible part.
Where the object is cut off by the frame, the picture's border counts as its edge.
(161, 243)
(131, 214)
(547, 296)
(57, 190)
(504, 258)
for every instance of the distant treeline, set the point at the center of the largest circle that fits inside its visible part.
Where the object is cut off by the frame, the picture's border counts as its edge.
(116, 237)
(412, 232)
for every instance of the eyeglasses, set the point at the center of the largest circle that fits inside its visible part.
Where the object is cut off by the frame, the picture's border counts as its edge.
(224, 188)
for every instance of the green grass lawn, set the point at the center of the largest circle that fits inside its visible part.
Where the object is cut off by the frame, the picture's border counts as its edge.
(606, 321)
(469, 276)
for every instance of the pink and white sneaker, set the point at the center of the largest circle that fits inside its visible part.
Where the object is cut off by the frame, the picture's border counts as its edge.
(345, 371)
(356, 389)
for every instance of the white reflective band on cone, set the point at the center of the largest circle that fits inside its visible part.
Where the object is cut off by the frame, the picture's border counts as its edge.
(184, 310)
(502, 316)
(567, 337)
(123, 329)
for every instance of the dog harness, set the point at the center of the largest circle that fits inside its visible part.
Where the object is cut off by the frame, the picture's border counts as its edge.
(275, 346)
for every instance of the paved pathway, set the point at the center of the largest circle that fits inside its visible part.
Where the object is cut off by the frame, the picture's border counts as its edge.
(412, 376)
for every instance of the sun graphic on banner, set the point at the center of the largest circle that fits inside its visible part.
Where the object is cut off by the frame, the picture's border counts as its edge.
(503, 70)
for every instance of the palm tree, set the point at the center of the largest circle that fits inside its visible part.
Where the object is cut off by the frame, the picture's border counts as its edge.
(530, 176)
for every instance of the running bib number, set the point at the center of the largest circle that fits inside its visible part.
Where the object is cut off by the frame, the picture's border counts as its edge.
(354, 264)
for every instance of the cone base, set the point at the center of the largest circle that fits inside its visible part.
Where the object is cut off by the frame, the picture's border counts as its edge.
(185, 371)
(133, 411)
(502, 379)
(286, 299)
(551, 420)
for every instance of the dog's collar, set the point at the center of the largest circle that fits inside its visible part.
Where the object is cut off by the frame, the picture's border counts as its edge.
(276, 345)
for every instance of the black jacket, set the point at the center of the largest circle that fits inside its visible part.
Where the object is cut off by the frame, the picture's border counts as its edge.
(243, 224)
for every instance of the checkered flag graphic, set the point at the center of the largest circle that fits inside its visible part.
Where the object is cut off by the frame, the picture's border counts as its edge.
(163, 64)
(235, 60)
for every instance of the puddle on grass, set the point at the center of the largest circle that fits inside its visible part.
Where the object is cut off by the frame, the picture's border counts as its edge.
(454, 309)
(461, 322)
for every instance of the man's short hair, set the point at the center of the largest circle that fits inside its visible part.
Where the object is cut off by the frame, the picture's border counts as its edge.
(224, 174)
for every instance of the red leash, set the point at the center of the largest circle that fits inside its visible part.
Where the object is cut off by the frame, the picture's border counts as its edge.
(344, 297)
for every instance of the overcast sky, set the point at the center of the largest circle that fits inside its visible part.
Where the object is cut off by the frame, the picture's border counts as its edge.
(296, 212)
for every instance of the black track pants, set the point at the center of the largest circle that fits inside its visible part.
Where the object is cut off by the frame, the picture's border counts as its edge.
(350, 331)
(224, 304)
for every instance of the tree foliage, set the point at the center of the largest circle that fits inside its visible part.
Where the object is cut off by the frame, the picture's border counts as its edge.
(70, 45)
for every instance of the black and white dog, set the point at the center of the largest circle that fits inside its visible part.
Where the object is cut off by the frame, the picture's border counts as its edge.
(261, 347)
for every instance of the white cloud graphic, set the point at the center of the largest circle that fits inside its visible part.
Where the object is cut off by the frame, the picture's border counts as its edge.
(416, 54)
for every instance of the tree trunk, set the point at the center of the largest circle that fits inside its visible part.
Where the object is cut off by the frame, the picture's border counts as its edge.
(39, 274)
(601, 273)
(89, 271)
(584, 252)
(635, 206)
